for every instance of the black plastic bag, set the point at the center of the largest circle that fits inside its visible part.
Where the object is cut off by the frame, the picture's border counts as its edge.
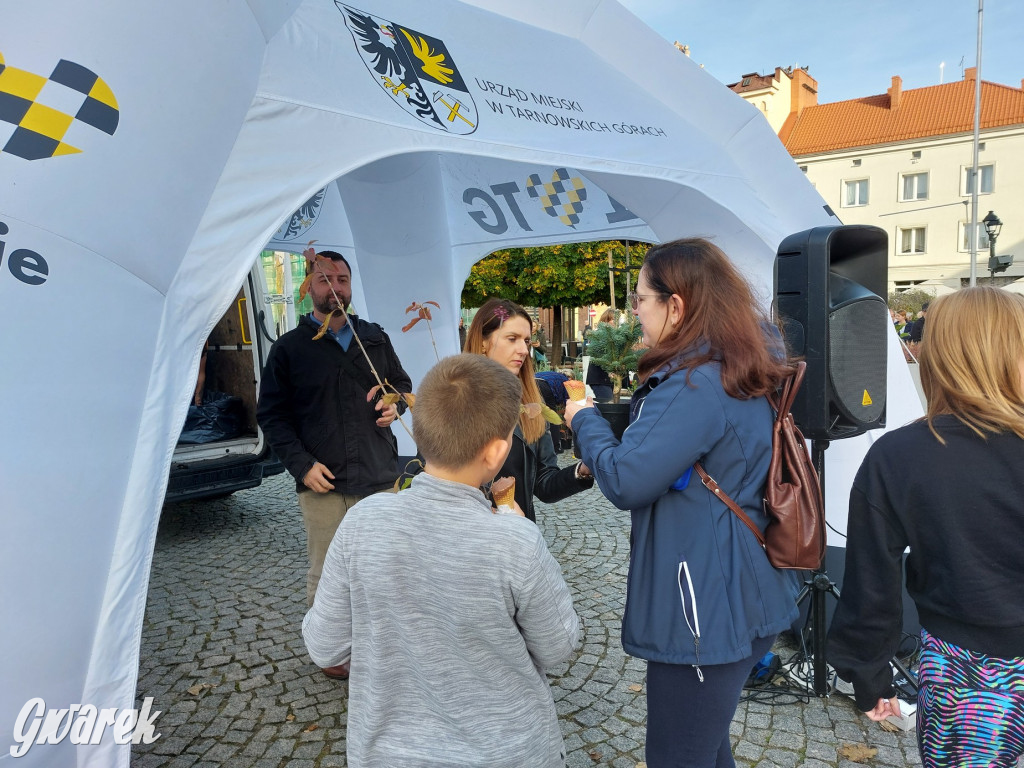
(220, 417)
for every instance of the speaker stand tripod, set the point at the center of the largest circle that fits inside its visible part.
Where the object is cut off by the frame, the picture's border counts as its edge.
(815, 588)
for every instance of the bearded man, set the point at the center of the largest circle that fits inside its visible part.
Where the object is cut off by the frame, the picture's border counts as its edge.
(316, 411)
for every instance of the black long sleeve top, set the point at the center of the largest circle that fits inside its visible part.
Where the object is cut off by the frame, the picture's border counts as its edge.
(959, 507)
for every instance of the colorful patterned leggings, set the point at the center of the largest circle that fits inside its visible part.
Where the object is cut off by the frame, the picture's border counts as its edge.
(970, 708)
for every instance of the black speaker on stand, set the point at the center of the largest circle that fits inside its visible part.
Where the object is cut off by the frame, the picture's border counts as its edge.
(829, 287)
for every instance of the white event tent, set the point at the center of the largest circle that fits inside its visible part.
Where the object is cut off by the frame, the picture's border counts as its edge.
(149, 151)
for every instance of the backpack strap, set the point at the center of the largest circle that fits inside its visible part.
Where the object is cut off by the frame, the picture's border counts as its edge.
(712, 486)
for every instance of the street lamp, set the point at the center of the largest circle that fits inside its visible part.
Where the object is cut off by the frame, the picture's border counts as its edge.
(992, 227)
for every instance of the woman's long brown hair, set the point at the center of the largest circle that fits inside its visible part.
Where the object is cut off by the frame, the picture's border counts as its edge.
(722, 320)
(486, 321)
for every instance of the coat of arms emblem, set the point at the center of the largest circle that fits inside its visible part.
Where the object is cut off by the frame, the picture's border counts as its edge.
(415, 69)
(304, 218)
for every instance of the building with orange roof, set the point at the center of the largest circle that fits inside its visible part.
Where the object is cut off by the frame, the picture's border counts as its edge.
(902, 161)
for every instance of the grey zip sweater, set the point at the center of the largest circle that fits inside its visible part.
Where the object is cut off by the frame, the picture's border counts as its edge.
(449, 614)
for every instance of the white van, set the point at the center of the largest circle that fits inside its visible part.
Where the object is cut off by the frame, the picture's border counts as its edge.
(237, 349)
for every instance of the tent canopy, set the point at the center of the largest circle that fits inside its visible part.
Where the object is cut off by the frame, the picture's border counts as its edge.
(192, 132)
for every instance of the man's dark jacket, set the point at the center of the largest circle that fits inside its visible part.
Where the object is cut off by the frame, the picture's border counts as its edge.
(311, 408)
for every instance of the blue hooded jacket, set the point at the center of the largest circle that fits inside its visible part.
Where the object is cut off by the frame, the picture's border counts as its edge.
(700, 587)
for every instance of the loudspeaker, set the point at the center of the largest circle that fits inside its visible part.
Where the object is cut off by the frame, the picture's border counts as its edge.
(829, 284)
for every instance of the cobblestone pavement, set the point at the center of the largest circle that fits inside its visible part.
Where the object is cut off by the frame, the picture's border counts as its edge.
(223, 658)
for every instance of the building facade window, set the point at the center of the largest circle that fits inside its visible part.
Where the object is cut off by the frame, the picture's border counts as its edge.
(910, 240)
(906, 285)
(855, 193)
(913, 186)
(965, 242)
(988, 180)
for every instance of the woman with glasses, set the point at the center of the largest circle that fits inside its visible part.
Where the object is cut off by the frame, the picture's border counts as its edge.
(958, 508)
(703, 604)
(501, 330)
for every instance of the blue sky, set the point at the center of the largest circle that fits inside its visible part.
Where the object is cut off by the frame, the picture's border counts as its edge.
(851, 48)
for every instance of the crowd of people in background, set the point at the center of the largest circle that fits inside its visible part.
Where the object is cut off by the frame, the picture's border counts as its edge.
(910, 329)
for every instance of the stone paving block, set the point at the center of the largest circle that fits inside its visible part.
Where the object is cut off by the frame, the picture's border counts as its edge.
(251, 682)
(890, 755)
(825, 752)
(306, 715)
(280, 747)
(614, 726)
(624, 744)
(306, 751)
(255, 748)
(588, 717)
(218, 753)
(182, 761)
(788, 721)
(757, 735)
(149, 761)
(573, 742)
(217, 728)
(201, 746)
(758, 720)
(748, 751)
(783, 758)
(785, 740)
(849, 732)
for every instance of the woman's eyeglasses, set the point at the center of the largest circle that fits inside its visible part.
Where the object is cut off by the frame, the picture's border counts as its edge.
(634, 298)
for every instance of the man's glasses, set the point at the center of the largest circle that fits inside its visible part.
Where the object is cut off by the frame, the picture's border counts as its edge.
(634, 298)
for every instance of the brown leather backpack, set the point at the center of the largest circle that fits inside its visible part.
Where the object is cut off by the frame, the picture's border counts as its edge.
(795, 535)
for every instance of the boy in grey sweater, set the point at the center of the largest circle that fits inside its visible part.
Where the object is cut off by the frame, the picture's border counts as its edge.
(448, 612)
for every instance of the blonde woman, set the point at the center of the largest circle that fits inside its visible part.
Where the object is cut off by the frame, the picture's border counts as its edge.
(501, 330)
(958, 508)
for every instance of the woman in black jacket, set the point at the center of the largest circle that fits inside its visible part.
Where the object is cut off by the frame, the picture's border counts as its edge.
(958, 509)
(501, 330)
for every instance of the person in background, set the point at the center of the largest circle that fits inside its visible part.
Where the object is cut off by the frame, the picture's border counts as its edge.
(958, 508)
(917, 329)
(703, 603)
(315, 411)
(501, 330)
(462, 333)
(902, 325)
(598, 379)
(448, 612)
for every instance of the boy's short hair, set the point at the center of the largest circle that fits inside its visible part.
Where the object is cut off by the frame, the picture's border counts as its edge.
(463, 403)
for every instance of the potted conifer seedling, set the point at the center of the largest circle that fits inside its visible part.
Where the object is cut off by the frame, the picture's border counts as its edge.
(614, 347)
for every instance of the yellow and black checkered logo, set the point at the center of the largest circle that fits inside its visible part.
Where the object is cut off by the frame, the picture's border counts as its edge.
(36, 112)
(562, 197)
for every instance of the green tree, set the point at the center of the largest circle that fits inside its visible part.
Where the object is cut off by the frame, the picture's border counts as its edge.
(553, 276)
(572, 275)
(909, 300)
(614, 349)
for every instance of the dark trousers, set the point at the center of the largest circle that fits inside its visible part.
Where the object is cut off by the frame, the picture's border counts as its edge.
(688, 720)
